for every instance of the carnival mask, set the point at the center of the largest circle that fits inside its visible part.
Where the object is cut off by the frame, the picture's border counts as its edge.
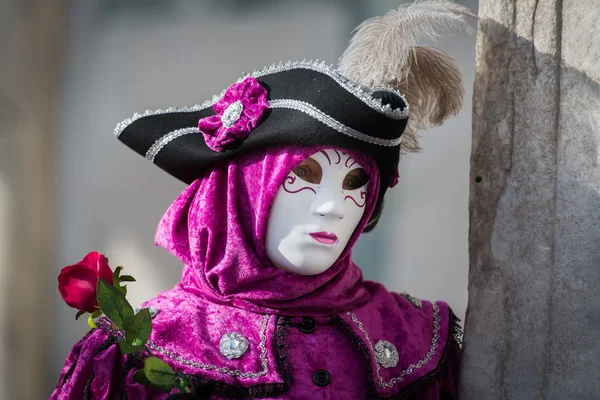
(315, 212)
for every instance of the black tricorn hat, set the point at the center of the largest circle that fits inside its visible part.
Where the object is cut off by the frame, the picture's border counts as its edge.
(356, 106)
(309, 103)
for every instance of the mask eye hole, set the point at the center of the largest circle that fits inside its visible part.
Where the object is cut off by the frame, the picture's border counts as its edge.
(355, 179)
(309, 170)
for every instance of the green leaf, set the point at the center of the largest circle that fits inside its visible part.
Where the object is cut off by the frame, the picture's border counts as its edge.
(122, 289)
(180, 385)
(79, 314)
(159, 372)
(128, 348)
(188, 383)
(96, 313)
(116, 274)
(127, 278)
(184, 384)
(140, 330)
(140, 377)
(114, 305)
(91, 322)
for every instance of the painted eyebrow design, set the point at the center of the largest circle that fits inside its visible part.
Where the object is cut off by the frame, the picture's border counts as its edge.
(347, 160)
(339, 157)
(290, 180)
(363, 196)
(326, 156)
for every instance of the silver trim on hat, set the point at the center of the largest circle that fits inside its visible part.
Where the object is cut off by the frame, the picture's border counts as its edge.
(362, 93)
(165, 140)
(282, 103)
(331, 122)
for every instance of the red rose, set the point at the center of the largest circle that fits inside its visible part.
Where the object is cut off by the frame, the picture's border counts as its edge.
(77, 283)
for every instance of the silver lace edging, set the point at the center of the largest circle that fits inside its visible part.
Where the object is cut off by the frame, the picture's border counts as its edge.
(331, 122)
(165, 140)
(125, 123)
(223, 370)
(364, 94)
(412, 367)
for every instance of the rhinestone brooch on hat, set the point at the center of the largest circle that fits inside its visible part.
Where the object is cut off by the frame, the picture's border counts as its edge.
(237, 113)
(233, 345)
(232, 113)
(386, 354)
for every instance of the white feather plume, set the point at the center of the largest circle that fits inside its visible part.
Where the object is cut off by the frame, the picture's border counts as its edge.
(384, 52)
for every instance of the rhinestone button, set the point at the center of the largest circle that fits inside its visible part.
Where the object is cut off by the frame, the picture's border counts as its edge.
(386, 354)
(233, 345)
(308, 325)
(321, 378)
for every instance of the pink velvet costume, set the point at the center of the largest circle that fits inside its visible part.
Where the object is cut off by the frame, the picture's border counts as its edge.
(310, 337)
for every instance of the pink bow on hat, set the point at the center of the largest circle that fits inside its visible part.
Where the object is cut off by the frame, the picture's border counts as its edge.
(238, 113)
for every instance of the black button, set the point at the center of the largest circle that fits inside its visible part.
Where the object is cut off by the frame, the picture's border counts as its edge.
(308, 325)
(322, 377)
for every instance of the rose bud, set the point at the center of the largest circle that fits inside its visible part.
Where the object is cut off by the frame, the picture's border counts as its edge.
(77, 283)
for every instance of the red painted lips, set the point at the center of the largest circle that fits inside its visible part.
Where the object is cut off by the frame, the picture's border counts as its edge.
(324, 237)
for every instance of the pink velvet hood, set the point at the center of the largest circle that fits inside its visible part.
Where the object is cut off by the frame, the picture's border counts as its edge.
(217, 228)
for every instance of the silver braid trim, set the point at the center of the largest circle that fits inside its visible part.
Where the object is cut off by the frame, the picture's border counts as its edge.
(283, 103)
(331, 122)
(165, 140)
(362, 93)
(125, 123)
(411, 367)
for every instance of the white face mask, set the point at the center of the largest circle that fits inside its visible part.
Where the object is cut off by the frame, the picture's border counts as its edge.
(315, 212)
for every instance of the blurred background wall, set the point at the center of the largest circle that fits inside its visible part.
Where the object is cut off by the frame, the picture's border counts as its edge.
(111, 58)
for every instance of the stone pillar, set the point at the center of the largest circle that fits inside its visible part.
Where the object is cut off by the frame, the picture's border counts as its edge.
(533, 320)
(31, 40)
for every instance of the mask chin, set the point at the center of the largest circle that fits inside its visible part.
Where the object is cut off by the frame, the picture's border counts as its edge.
(308, 269)
(301, 260)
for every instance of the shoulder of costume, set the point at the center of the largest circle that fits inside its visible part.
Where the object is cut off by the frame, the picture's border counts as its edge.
(196, 337)
(409, 343)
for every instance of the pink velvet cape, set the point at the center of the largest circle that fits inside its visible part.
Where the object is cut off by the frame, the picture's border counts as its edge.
(217, 228)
